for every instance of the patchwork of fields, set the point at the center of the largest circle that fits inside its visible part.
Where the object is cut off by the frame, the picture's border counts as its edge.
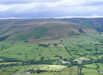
(51, 47)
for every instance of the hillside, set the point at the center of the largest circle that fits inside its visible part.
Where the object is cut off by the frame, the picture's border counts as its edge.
(20, 37)
(40, 29)
(26, 45)
(96, 23)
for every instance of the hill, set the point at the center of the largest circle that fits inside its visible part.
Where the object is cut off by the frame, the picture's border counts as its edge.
(25, 44)
(40, 29)
(96, 23)
(44, 39)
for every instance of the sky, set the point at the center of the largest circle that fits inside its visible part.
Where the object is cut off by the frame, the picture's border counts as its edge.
(50, 8)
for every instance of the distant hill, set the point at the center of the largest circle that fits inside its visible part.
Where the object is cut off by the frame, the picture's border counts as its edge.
(46, 29)
(50, 40)
(96, 23)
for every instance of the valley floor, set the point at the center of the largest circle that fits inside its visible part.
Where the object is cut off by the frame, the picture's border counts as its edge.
(89, 69)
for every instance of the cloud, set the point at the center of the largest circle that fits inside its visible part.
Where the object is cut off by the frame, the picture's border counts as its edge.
(24, 1)
(50, 8)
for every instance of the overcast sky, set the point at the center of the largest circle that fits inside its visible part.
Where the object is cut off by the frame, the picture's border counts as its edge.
(50, 8)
